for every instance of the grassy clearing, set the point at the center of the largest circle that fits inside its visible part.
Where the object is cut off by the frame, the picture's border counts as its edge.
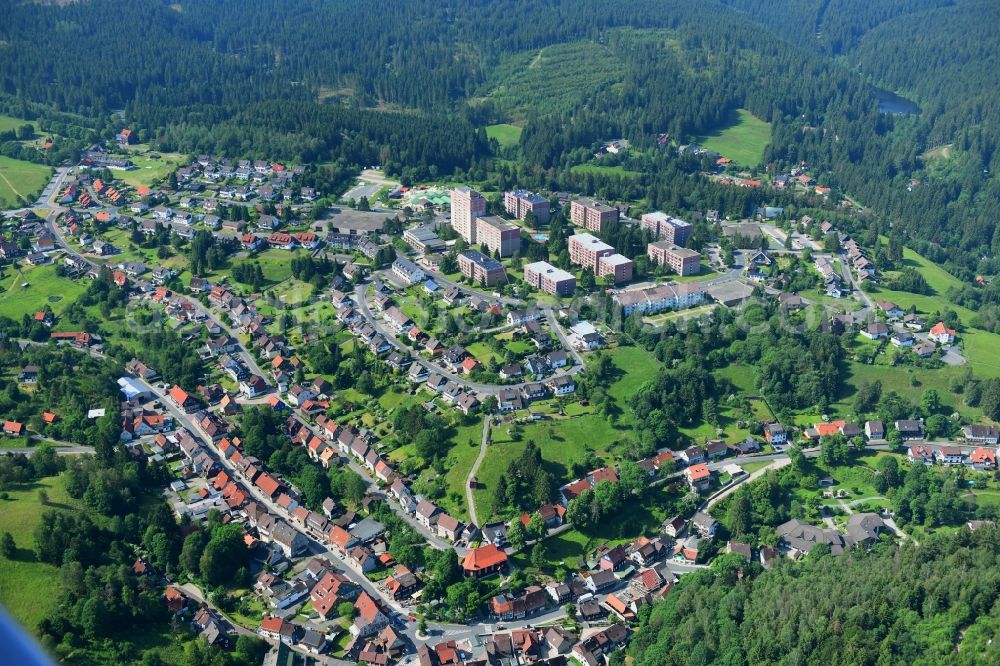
(602, 170)
(981, 348)
(555, 78)
(636, 367)
(563, 442)
(680, 315)
(638, 519)
(742, 140)
(44, 287)
(20, 178)
(30, 589)
(752, 467)
(151, 166)
(939, 152)
(505, 134)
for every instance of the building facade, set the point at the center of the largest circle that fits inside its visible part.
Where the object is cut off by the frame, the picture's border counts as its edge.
(591, 252)
(498, 234)
(650, 300)
(519, 203)
(680, 260)
(481, 269)
(545, 277)
(670, 229)
(592, 215)
(466, 206)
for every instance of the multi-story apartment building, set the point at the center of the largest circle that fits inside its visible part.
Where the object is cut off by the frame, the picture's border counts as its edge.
(466, 206)
(586, 249)
(482, 270)
(670, 229)
(593, 253)
(520, 202)
(650, 300)
(680, 260)
(592, 215)
(545, 277)
(498, 234)
(618, 266)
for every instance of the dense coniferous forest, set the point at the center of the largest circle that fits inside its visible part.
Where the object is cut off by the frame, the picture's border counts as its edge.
(411, 84)
(895, 605)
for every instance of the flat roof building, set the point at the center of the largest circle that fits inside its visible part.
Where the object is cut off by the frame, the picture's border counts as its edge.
(586, 249)
(592, 215)
(671, 229)
(466, 206)
(521, 202)
(481, 269)
(616, 265)
(680, 260)
(545, 277)
(498, 235)
(423, 238)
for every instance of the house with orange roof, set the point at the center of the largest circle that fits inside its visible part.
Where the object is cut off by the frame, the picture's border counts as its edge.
(181, 398)
(176, 600)
(698, 477)
(48, 417)
(369, 618)
(484, 561)
(941, 334)
(341, 538)
(268, 484)
(277, 629)
(983, 458)
(13, 428)
(327, 456)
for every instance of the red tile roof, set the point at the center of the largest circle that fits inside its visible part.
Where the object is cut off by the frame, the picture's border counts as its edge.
(699, 471)
(268, 484)
(484, 557)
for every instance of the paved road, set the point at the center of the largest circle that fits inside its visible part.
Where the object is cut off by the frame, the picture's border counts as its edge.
(564, 341)
(485, 389)
(194, 592)
(315, 547)
(729, 490)
(486, 296)
(475, 467)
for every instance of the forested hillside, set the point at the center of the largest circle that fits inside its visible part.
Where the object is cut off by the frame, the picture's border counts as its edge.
(932, 604)
(411, 84)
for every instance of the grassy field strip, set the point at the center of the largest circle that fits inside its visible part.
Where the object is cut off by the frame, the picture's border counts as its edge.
(743, 140)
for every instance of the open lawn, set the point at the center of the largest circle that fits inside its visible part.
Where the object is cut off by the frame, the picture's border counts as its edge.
(981, 348)
(604, 170)
(504, 133)
(29, 589)
(44, 287)
(637, 519)
(20, 178)
(680, 315)
(482, 352)
(151, 166)
(8, 123)
(635, 368)
(742, 139)
(564, 442)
